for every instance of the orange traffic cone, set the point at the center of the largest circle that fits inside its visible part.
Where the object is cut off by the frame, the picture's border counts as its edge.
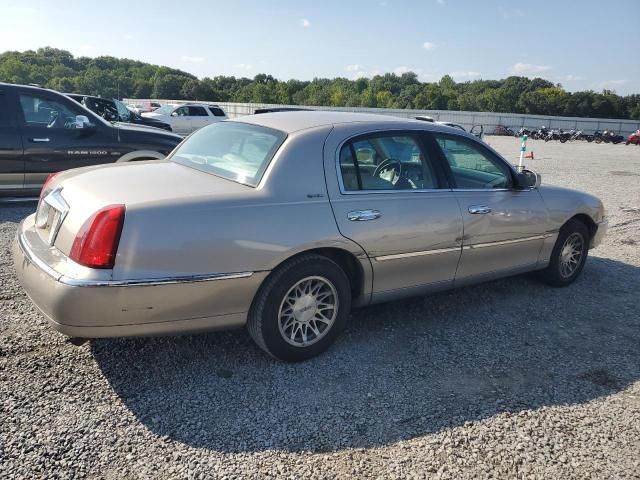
(529, 155)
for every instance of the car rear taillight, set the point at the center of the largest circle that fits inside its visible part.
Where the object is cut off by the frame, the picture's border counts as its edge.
(97, 241)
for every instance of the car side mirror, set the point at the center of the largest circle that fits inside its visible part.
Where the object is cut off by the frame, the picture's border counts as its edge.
(174, 114)
(477, 130)
(82, 121)
(528, 179)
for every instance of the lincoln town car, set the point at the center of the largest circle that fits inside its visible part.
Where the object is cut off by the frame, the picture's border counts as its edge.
(283, 222)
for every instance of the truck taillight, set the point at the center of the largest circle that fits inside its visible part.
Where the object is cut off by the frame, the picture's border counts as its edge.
(97, 241)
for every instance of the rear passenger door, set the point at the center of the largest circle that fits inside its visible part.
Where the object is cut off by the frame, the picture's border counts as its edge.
(389, 196)
(11, 152)
(199, 117)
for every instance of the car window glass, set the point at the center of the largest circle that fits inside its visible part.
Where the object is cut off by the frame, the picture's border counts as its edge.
(238, 152)
(123, 112)
(182, 112)
(471, 166)
(197, 112)
(105, 108)
(45, 112)
(386, 162)
(217, 111)
(4, 110)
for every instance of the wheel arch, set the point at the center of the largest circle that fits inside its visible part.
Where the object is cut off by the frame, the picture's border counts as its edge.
(356, 272)
(140, 155)
(587, 221)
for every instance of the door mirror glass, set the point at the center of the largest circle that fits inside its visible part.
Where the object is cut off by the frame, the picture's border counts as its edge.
(529, 179)
(82, 121)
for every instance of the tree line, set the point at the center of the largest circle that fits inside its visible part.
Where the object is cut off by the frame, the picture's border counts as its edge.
(123, 78)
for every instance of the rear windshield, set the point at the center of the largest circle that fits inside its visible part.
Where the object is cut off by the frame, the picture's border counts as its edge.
(232, 150)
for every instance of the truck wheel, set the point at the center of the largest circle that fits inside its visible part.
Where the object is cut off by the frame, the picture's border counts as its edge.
(568, 256)
(301, 308)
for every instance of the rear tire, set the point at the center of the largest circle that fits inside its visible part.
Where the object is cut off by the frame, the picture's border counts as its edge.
(568, 256)
(301, 308)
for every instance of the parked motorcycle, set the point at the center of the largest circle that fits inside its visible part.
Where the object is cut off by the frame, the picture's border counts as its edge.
(633, 138)
(502, 130)
(608, 136)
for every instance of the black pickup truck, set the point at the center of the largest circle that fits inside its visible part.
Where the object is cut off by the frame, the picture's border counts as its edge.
(114, 110)
(43, 131)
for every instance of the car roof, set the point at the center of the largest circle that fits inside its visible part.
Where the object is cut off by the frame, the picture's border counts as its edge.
(290, 122)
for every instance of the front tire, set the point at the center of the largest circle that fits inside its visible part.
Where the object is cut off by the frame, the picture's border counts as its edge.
(568, 256)
(301, 308)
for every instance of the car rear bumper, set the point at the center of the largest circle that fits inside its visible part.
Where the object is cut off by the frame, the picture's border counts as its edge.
(113, 308)
(601, 231)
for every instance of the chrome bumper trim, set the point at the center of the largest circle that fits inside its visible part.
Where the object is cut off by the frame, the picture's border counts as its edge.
(137, 282)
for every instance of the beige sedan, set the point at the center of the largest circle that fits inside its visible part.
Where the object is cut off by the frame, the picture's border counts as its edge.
(285, 221)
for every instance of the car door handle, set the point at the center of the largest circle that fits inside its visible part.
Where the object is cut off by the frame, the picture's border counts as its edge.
(363, 215)
(39, 140)
(479, 209)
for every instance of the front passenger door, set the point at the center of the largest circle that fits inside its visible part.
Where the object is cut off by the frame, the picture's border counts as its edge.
(504, 228)
(52, 142)
(181, 122)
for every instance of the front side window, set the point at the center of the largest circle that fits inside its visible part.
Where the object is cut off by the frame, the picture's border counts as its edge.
(386, 162)
(123, 112)
(181, 112)
(45, 112)
(232, 150)
(471, 166)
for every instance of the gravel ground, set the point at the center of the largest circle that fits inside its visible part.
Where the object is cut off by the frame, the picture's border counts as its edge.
(510, 379)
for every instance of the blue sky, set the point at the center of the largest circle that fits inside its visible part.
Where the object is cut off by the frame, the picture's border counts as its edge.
(581, 44)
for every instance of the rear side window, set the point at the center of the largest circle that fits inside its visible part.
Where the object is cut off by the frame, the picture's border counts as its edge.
(217, 111)
(236, 151)
(386, 162)
(197, 112)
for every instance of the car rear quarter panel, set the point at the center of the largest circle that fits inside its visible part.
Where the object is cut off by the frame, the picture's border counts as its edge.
(286, 214)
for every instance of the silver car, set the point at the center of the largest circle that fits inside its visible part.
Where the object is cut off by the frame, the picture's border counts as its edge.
(285, 221)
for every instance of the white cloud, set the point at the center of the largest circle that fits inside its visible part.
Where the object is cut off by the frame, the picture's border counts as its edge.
(243, 66)
(512, 13)
(527, 68)
(128, 36)
(353, 68)
(428, 45)
(403, 69)
(187, 58)
(305, 22)
(458, 76)
(572, 78)
(611, 84)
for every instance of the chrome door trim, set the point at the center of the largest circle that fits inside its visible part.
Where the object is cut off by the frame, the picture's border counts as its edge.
(397, 256)
(40, 140)
(506, 242)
